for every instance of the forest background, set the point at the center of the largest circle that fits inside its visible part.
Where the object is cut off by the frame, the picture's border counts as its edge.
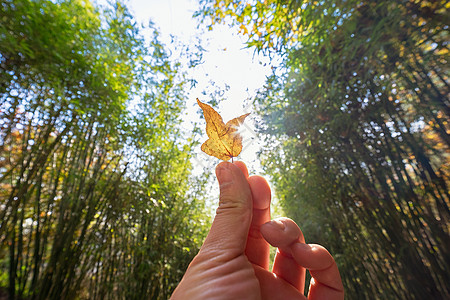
(97, 195)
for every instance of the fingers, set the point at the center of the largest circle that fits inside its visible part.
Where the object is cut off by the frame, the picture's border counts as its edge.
(258, 249)
(283, 233)
(228, 234)
(242, 167)
(275, 288)
(326, 283)
(294, 256)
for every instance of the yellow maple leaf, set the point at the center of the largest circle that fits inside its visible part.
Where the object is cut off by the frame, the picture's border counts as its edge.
(224, 141)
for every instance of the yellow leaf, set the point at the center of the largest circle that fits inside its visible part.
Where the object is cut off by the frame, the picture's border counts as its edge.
(224, 141)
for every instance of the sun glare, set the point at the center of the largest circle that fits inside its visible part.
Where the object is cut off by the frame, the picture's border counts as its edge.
(228, 68)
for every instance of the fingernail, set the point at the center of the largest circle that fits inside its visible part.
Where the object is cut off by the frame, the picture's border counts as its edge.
(224, 175)
(277, 224)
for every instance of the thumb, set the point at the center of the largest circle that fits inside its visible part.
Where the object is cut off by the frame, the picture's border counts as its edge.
(229, 230)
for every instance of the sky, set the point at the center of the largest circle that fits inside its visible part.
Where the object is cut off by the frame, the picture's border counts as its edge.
(226, 62)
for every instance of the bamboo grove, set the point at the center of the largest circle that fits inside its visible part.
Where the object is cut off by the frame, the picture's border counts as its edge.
(356, 121)
(94, 196)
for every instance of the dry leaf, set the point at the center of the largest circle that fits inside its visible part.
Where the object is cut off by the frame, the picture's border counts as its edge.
(224, 141)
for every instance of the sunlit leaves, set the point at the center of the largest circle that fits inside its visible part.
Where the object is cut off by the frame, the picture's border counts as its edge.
(361, 112)
(224, 140)
(98, 191)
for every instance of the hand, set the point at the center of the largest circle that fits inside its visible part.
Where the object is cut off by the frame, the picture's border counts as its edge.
(233, 262)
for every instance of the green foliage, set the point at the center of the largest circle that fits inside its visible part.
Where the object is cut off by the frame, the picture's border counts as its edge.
(95, 187)
(357, 124)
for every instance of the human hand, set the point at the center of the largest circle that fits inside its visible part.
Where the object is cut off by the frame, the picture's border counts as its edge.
(233, 262)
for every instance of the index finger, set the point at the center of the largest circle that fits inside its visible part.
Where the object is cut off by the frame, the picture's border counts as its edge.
(241, 166)
(257, 249)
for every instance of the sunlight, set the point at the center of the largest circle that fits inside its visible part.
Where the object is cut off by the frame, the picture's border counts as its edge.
(228, 68)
